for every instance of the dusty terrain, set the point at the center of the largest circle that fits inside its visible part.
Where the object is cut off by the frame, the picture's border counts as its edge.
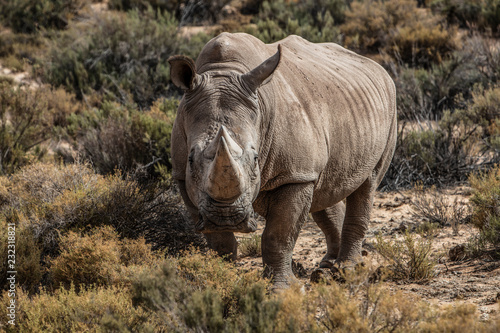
(474, 281)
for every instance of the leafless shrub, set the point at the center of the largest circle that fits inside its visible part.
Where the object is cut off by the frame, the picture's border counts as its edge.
(434, 206)
(409, 259)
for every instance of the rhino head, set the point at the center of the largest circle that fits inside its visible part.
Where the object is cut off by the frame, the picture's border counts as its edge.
(221, 120)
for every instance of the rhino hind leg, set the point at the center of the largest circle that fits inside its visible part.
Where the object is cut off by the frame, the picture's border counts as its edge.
(330, 221)
(357, 216)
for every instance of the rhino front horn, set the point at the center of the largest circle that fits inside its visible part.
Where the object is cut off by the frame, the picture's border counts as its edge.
(224, 179)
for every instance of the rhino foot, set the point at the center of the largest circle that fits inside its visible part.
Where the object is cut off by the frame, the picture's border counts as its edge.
(334, 271)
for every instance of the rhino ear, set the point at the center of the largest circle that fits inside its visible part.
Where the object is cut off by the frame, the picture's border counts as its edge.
(182, 71)
(261, 74)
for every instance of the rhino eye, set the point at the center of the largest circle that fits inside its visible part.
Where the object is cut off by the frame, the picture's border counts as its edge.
(256, 159)
(190, 158)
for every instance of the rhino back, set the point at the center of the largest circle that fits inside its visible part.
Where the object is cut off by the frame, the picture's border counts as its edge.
(334, 114)
(330, 111)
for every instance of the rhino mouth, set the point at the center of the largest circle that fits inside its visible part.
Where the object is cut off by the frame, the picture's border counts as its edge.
(218, 217)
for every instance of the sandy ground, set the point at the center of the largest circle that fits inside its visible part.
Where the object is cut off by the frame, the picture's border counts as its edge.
(474, 281)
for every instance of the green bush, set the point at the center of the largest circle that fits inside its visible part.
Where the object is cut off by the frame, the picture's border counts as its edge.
(121, 137)
(27, 119)
(313, 20)
(120, 55)
(143, 5)
(472, 14)
(423, 94)
(30, 16)
(398, 28)
(465, 139)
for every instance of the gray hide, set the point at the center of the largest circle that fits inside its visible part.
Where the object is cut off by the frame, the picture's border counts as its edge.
(283, 129)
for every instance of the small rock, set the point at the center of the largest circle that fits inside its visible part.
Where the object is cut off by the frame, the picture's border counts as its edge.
(298, 269)
(457, 253)
(324, 275)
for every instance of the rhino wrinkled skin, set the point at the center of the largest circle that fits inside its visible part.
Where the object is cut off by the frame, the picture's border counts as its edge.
(284, 130)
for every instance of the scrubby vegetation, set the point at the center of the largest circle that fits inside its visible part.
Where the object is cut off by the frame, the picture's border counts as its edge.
(485, 214)
(101, 238)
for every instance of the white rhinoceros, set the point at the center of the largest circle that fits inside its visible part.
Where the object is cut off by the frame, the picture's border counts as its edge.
(283, 134)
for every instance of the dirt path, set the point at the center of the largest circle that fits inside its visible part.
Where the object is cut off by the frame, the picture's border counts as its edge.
(471, 281)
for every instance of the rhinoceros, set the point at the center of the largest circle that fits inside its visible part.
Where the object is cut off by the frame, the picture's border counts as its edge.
(283, 130)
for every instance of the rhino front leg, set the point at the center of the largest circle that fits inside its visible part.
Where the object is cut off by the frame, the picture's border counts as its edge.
(288, 207)
(359, 205)
(224, 243)
(330, 221)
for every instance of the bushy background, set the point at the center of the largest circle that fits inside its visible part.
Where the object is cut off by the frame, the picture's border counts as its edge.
(85, 156)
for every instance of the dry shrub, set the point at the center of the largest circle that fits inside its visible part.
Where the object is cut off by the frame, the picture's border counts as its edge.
(208, 270)
(433, 205)
(53, 199)
(94, 309)
(409, 259)
(461, 317)
(99, 257)
(28, 264)
(164, 298)
(87, 260)
(250, 246)
(485, 201)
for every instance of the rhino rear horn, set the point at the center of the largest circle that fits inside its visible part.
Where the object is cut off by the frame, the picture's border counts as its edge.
(182, 71)
(261, 74)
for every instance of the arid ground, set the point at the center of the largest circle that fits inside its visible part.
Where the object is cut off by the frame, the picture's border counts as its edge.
(474, 281)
